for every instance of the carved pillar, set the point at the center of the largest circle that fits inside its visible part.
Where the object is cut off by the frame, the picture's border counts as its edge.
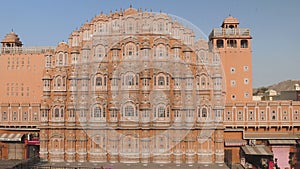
(219, 146)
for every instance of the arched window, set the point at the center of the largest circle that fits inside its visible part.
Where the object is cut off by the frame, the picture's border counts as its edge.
(98, 81)
(86, 34)
(161, 143)
(48, 61)
(161, 26)
(129, 111)
(176, 52)
(56, 142)
(60, 58)
(160, 51)
(161, 81)
(204, 112)
(97, 112)
(56, 112)
(58, 81)
(61, 112)
(85, 54)
(115, 25)
(203, 57)
(129, 80)
(130, 49)
(75, 40)
(98, 143)
(129, 144)
(101, 27)
(161, 111)
(130, 26)
(99, 51)
(203, 82)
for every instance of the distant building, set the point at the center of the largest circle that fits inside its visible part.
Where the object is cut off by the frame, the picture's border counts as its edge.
(257, 98)
(290, 95)
(269, 95)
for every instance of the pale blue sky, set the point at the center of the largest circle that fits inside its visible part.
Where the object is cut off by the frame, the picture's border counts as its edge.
(275, 25)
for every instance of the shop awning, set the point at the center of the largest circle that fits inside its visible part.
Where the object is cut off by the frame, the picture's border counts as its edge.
(235, 142)
(283, 142)
(11, 137)
(257, 150)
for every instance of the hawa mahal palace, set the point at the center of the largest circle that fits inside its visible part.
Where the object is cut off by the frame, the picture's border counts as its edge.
(135, 86)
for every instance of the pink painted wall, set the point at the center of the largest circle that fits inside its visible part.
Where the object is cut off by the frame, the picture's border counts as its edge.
(282, 155)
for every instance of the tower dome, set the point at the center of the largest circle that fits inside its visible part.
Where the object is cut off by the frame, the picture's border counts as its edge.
(11, 40)
(230, 22)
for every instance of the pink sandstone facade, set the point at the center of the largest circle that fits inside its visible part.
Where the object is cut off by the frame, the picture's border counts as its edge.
(138, 87)
(120, 92)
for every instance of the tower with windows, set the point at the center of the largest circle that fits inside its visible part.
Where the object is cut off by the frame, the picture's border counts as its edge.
(234, 45)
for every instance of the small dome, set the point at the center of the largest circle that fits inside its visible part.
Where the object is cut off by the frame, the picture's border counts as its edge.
(116, 15)
(230, 22)
(231, 19)
(62, 46)
(130, 11)
(12, 38)
(102, 17)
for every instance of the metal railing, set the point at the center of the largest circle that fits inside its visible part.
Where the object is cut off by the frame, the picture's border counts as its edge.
(230, 32)
(27, 50)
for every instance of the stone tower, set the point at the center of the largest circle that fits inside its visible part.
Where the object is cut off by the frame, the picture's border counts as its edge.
(234, 45)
